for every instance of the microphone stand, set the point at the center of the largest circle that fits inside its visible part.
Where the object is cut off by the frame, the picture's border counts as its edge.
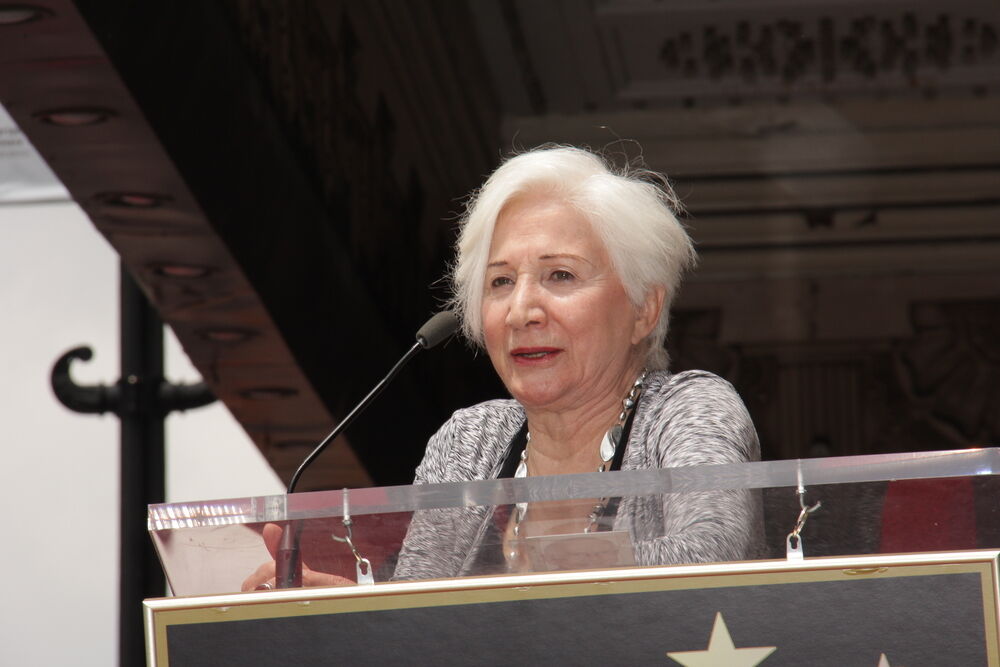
(288, 559)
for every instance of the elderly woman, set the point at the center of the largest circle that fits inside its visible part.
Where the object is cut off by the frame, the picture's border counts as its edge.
(565, 275)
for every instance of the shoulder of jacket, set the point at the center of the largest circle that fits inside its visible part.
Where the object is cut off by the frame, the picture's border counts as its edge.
(665, 383)
(469, 442)
(488, 414)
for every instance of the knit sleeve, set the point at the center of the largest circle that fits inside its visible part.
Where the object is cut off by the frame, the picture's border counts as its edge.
(698, 419)
(468, 446)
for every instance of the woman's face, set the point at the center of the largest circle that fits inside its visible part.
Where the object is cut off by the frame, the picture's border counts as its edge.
(558, 325)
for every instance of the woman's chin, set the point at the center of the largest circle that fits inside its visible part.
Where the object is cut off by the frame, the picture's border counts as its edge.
(536, 394)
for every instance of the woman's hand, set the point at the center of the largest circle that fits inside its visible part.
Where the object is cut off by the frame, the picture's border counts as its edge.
(264, 576)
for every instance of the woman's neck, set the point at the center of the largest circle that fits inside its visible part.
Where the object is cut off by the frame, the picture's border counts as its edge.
(568, 441)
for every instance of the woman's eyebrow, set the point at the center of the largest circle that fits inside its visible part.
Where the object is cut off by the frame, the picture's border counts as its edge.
(566, 255)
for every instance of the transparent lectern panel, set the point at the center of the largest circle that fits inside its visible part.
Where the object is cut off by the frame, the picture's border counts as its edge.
(202, 560)
(871, 504)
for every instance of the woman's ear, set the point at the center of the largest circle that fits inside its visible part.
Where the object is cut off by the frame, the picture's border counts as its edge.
(648, 314)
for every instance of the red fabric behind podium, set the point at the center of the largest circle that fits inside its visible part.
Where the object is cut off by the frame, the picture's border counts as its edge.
(928, 515)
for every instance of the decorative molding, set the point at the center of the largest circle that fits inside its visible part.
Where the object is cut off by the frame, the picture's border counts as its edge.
(934, 390)
(950, 369)
(622, 55)
(902, 47)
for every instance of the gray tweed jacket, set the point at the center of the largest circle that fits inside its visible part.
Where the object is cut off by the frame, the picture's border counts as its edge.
(691, 418)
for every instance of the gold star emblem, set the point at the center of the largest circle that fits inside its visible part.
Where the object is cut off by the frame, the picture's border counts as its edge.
(721, 652)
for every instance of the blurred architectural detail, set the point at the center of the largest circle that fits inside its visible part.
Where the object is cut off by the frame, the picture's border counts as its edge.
(283, 179)
(24, 176)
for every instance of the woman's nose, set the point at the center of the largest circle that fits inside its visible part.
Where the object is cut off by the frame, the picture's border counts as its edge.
(526, 306)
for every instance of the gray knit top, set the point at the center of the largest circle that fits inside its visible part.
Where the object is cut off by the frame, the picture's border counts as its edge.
(691, 418)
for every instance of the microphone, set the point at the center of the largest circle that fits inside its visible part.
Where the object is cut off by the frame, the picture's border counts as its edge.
(436, 330)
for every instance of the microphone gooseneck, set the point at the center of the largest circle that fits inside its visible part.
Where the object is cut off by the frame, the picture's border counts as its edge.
(288, 559)
(435, 331)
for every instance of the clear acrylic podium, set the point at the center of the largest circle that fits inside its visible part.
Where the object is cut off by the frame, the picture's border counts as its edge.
(899, 557)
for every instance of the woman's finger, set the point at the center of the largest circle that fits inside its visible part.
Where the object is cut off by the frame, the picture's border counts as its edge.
(272, 538)
(314, 578)
(261, 575)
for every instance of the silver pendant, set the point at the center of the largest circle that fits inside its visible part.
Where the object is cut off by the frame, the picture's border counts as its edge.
(522, 466)
(609, 444)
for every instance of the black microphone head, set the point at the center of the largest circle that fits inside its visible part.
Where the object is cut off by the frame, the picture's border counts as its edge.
(437, 329)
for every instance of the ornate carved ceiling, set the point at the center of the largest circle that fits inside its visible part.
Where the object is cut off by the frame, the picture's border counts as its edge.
(805, 138)
(566, 56)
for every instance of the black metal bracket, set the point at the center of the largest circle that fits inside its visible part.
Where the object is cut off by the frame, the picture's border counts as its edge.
(98, 399)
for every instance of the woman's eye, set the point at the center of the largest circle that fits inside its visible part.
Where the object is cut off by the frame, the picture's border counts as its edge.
(561, 275)
(500, 281)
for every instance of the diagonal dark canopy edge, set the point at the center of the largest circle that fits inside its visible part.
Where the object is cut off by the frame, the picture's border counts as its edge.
(240, 199)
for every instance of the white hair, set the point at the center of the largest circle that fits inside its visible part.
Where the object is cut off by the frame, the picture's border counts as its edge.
(634, 211)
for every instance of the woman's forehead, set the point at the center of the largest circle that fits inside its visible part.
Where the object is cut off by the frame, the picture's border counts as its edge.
(543, 217)
(552, 234)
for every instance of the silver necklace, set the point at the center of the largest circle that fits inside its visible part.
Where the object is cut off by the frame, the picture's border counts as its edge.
(611, 439)
(608, 447)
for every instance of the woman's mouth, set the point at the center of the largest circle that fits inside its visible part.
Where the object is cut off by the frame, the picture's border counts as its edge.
(530, 354)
